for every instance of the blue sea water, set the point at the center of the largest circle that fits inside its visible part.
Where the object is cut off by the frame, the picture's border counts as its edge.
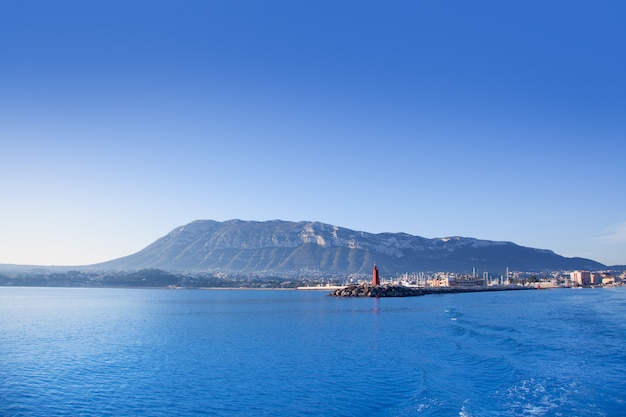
(127, 352)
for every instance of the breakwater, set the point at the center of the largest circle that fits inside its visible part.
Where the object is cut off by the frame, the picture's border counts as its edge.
(390, 290)
(384, 290)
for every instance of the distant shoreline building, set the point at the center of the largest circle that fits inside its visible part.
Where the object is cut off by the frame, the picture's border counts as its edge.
(453, 281)
(581, 277)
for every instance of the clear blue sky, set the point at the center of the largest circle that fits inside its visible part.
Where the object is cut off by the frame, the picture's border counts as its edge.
(499, 120)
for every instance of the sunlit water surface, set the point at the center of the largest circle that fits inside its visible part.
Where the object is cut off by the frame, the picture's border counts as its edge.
(125, 352)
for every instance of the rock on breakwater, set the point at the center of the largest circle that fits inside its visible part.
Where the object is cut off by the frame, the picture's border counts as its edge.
(384, 290)
(389, 290)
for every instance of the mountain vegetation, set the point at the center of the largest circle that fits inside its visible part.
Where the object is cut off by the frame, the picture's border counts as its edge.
(146, 278)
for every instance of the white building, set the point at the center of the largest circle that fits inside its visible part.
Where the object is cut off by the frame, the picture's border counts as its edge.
(581, 277)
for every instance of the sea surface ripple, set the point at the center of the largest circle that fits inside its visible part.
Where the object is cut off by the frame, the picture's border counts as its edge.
(126, 352)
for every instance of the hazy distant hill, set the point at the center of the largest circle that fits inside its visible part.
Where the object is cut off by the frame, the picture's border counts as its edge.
(281, 246)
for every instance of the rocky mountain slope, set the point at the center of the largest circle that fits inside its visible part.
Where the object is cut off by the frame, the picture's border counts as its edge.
(282, 246)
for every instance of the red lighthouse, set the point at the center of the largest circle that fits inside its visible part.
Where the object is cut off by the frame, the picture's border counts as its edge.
(375, 279)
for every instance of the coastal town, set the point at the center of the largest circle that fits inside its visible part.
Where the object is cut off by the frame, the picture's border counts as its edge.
(545, 280)
(510, 279)
(451, 283)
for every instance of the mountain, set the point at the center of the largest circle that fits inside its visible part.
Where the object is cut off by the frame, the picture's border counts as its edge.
(282, 246)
